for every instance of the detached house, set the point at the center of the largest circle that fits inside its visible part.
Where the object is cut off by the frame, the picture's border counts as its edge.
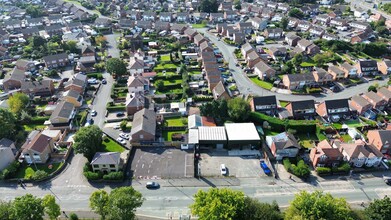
(14, 81)
(273, 33)
(25, 65)
(349, 70)
(336, 72)
(246, 28)
(136, 66)
(137, 84)
(302, 110)
(324, 155)
(61, 118)
(143, 126)
(292, 39)
(77, 83)
(321, 76)
(380, 139)
(264, 71)
(283, 145)
(37, 148)
(107, 162)
(298, 81)
(334, 110)
(265, 104)
(385, 94)
(73, 97)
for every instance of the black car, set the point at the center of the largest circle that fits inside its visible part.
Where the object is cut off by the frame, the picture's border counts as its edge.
(104, 82)
(152, 185)
(120, 114)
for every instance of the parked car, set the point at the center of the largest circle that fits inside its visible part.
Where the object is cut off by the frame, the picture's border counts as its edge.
(120, 114)
(94, 113)
(117, 126)
(152, 185)
(223, 169)
(124, 136)
(265, 168)
(122, 141)
(104, 82)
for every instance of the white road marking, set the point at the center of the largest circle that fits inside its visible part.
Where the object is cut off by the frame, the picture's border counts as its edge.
(185, 164)
(142, 166)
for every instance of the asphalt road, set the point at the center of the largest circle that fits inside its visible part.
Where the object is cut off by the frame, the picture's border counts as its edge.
(246, 86)
(368, 6)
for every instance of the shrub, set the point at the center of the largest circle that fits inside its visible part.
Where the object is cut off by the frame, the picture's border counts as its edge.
(287, 164)
(87, 167)
(123, 125)
(301, 169)
(114, 176)
(10, 170)
(176, 137)
(93, 175)
(323, 170)
(73, 216)
(39, 120)
(116, 108)
(40, 174)
(344, 167)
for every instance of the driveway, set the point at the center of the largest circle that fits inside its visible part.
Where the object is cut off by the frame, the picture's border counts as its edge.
(246, 86)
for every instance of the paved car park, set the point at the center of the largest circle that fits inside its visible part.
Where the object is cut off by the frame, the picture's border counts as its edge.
(161, 162)
(237, 166)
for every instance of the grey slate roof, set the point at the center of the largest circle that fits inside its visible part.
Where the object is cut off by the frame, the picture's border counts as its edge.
(106, 158)
(144, 120)
(63, 110)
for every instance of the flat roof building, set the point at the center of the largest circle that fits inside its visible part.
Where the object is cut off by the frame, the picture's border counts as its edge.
(242, 134)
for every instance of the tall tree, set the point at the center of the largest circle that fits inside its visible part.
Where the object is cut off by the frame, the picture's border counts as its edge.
(256, 210)
(34, 11)
(123, 203)
(101, 40)
(27, 207)
(216, 109)
(237, 4)
(284, 23)
(208, 6)
(238, 109)
(296, 13)
(99, 201)
(5, 210)
(116, 66)
(37, 41)
(318, 205)
(218, 204)
(379, 209)
(52, 209)
(88, 141)
(17, 102)
(7, 124)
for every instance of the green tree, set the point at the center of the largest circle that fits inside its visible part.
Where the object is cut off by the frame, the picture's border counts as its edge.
(5, 210)
(99, 201)
(318, 205)
(123, 203)
(116, 66)
(34, 11)
(379, 209)
(17, 102)
(238, 109)
(52, 209)
(123, 125)
(382, 30)
(296, 13)
(71, 46)
(101, 40)
(27, 207)
(237, 4)
(88, 141)
(73, 216)
(7, 124)
(37, 41)
(216, 109)
(208, 6)
(256, 210)
(284, 23)
(297, 59)
(372, 88)
(159, 85)
(218, 204)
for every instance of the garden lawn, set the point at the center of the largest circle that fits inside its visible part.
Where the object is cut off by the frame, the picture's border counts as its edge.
(166, 74)
(165, 58)
(26, 172)
(263, 84)
(112, 146)
(33, 127)
(346, 138)
(269, 132)
(283, 103)
(176, 122)
(199, 25)
(307, 64)
(353, 123)
(172, 82)
(306, 144)
(167, 134)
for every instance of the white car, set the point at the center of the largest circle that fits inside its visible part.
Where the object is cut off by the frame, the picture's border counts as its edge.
(122, 141)
(116, 126)
(124, 136)
(93, 113)
(223, 169)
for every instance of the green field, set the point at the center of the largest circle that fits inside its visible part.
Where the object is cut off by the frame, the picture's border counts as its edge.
(176, 122)
(199, 25)
(172, 82)
(33, 127)
(167, 134)
(165, 58)
(263, 84)
(112, 146)
(26, 172)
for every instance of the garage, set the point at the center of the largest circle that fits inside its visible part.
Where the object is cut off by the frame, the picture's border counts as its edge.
(212, 137)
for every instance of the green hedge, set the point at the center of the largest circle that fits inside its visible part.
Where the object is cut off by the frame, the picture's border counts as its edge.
(168, 77)
(345, 167)
(301, 126)
(39, 120)
(114, 176)
(202, 98)
(300, 170)
(323, 170)
(10, 170)
(92, 175)
(95, 75)
(116, 108)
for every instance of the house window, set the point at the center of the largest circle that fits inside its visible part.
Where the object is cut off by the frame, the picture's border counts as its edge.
(112, 166)
(96, 166)
(141, 136)
(103, 165)
(113, 170)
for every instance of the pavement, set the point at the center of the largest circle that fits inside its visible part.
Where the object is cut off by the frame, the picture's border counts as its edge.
(246, 86)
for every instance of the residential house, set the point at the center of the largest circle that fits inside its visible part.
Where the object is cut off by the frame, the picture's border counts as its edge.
(165, 16)
(377, 17)
(56, 60)
(384, 66)
(339, 22)
(136, 42)
(143, 126)
(264, 104)
(283, 145)
(380, 139)
(360, 104)
(77, 83)
(230, 15)
(225, 6)
(316, 31)
(273, 33)
(359, 154)
(267, 13)
(7, 153)
(221, 92)
(25, 65)
(334, 110)
(253, 58)
(37, 149)
(323, 19)
(360, 25)
(198, 39)
(144, 24)
(34, 22)
(216, 17)
(135, 102)
(182, 17)
(304, 44)
(206, 47)
(298, 81)
(301, 110)
(292, 39)
(75, 26)
(350, 71)
(180, 28)
(385, 94)
(313, 50)
(73, 97)
(106, 162)
(336, 72)
(54, 29)
(137, 84)
(303, 25)
(102, 22)
(264, 71)
(134, 15)
(321, 76)
(239, 38)
(245, 27)
(190, 33)
(149, 16)
(81, 15)
(136, 66)
(360, 13)
(324, 155)
(220, 26)
(278, 52)
(54, 19)
(14, 81)
(293, 22)
(12, 24)
(259, 23)
(61, 118)
(129, 24)
(162, 26)
(376, 101)
(327, 36)
(37, 88)
(29, 32)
